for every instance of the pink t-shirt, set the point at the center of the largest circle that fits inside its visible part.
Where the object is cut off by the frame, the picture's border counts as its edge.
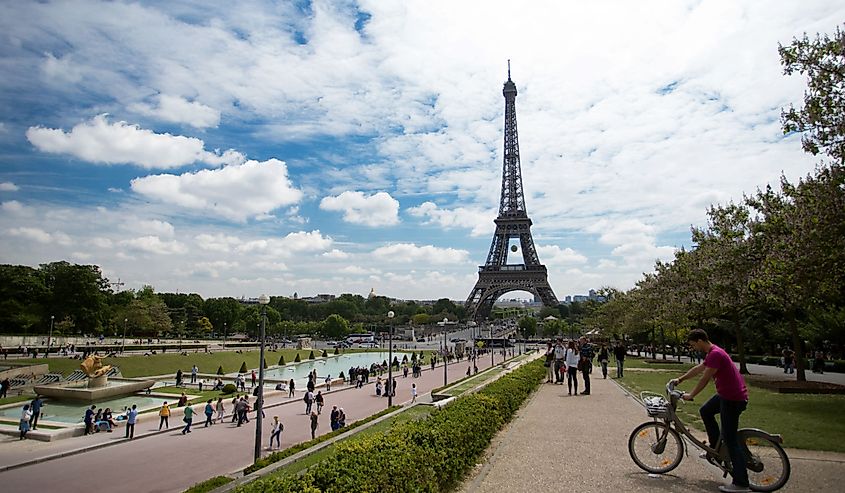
(729, 383)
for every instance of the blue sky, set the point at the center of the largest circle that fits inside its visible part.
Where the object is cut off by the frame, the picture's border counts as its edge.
(331, 147)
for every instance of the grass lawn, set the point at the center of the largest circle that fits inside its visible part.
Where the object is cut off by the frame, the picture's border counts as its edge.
(168, 363)
(17, 398)
(413, 413)
(806, 421)
(474, 382)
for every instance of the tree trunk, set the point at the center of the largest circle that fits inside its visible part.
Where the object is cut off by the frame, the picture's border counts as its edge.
(663, 342)
(740, 345)
(801, 376)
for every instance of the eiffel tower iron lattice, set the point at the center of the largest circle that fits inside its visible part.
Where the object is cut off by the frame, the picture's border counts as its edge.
(496, 277)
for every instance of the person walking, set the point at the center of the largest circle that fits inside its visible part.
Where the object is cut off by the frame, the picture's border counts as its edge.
(314, 423)
(188, 419)
(586, 363)
(333, 418)
(131, 419)
(413, 392)
(291, 387)
(319, 400)
(35, 407)
(164, 416)
(179, 377)
(209, 413)
(559, 361)
(254, 377)
(235, 415)
(619, 352)
(89, 419)
(730, 401)
(572, 367)
(220, 409)
(194, 371)
(328, 382)
(604, 357)
(26, 416)
(309, 400)
(276, 432)
(4, 387)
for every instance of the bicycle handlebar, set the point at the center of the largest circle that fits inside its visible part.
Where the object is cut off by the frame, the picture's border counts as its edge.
(670, 389)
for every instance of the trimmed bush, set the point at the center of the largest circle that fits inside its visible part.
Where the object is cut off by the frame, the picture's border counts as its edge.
(282, 360)
(220, 370)
(311, 356)
(297, 359)
(336, 351)
(432, 454)
(229, 388)
(209, 484)
(265, 364)
(325, 353)
(243, 368)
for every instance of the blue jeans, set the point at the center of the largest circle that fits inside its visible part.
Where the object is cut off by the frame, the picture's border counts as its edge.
(729, 412)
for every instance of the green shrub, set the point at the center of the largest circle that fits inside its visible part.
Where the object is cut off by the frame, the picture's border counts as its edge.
(265, 364)
(220, 370)
(325, 353)
(229, 388)
(311, 356)
(432, 454)
(243, 368)
(297, 359)
(282, 360)
(336, 351)
(209, 484)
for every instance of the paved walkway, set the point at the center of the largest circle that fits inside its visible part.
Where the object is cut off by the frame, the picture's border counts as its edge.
(580, 443)
(171, 462)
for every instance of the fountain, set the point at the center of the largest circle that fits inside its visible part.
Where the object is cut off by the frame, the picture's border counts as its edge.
(95, 387)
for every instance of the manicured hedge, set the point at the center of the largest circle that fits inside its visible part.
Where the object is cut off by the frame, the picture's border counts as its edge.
(432, 454)
(282, 454)
(209, 484)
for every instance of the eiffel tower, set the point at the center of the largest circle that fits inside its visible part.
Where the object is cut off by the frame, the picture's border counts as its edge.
(496, 277)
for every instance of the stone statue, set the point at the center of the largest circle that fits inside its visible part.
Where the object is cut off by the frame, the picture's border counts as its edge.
(93, 367)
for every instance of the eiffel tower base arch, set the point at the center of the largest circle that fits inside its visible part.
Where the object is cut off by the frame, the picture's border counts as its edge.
(493, 284)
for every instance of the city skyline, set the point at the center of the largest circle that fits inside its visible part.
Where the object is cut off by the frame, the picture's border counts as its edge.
(325, 147)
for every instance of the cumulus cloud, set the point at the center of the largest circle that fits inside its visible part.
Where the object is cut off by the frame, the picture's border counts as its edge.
(479, 221)
(154, 244)
(236, 192)
(179, 110)
(300, 241)
(379, 209)
(99, 141)
(555, 255)
(426, 254)
(40, 236)
(8, 186)
(336, 254)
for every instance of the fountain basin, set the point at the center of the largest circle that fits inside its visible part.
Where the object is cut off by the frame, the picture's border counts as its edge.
(79, 391)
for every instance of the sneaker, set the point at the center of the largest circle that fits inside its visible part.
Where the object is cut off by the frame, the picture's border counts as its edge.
(732, 488)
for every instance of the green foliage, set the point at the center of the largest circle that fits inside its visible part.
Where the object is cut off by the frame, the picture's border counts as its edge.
(325, 353)
(528, 325)
(336, 350)
(297, 359)
(311, 356)
(220, 370)
(432, 454)
(282, 360)
(229, 388)
(243, 368)
(335, 327)
(209, 484)
(265, 364)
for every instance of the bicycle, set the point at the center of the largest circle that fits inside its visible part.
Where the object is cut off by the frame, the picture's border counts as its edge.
(656, 446)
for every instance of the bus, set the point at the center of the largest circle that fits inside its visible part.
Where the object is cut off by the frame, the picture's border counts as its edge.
(361, 338)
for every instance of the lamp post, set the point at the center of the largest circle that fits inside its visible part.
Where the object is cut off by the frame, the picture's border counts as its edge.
(263, 300)
(123, 346)
(224, 335)
(445, 352)
(50, 336)
(390, 315)
(491, 347)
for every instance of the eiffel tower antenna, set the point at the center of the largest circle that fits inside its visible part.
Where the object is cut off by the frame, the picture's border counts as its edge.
(497, 277)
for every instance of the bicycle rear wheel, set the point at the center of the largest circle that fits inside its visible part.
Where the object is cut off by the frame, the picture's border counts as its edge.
(655, 447)
(767, 463)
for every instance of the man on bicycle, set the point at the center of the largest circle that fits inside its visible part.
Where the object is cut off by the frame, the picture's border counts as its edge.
(730, 401)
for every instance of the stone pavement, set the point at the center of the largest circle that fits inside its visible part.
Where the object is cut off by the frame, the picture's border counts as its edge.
(171, 462)
(579, 443)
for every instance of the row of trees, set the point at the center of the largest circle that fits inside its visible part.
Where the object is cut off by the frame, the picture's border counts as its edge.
(771, 268)
(77, 299)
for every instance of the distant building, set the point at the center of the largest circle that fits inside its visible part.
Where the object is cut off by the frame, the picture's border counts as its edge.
(320, 298)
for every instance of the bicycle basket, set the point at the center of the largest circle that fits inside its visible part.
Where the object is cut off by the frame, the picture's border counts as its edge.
(656, 406)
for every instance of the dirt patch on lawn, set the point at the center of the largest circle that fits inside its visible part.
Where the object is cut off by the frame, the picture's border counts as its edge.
(794, 386)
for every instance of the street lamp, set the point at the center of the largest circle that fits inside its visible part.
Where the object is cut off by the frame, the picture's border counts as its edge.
(390, 316)
(491, 346)
(123, 347)
(263, 300)
(50, 336)
(224, 335)
(445, 351)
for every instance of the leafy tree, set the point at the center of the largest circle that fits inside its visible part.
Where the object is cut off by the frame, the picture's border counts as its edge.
(77, 291)
(335, 327)
(243, 368)
(223, 313)
(22, 294)
(822, 118)
(421, 319)
(528, 325)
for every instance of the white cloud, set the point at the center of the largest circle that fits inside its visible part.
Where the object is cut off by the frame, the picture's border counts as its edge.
(179, 110)
(99, 141)
(217, 242)
(40, 236)
(8, 186)
(426, 254)
(13, 207)
(152, 227)
(479, 221)
(236, 192)
(554, 255)
(300, 241)
(154, 244)
(379, 209)
(336, 254)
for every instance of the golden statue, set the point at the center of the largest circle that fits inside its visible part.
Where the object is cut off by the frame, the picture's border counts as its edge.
(93, 367)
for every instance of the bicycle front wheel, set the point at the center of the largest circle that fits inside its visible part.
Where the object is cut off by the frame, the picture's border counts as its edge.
(767, 463)
(655, 447)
